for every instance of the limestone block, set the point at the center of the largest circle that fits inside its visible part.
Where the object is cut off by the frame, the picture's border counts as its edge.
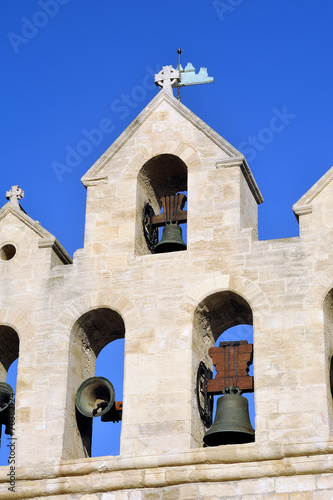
(216, 490)
(295, 484)
(323, 495)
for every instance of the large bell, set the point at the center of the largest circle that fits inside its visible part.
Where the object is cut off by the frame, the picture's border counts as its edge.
(171, 240)
(232, 422)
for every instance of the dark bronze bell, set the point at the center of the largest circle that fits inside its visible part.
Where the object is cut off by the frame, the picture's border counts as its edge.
(232, 422)
(7, 408)
(171, 240)
(95, 397)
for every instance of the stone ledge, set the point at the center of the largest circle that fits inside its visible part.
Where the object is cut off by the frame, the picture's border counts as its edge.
(303, 205)
(58, 249)
(94, 475)
(243, 165)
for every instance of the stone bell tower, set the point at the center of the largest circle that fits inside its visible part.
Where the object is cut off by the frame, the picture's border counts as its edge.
(56, 314)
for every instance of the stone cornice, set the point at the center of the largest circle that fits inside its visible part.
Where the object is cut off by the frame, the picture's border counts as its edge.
(241, 162)
(303, 205)
(58, 249)
(96, 181)
(95, 172)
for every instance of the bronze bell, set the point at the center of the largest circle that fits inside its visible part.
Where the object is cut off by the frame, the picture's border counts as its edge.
(171, 240)
(7, 408)
(95, 397)
(232, 422)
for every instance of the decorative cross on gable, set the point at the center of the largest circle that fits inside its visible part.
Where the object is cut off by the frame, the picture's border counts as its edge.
(14, 195)
(167, 78)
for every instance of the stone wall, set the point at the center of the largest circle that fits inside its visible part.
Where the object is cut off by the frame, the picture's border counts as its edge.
(171, 308)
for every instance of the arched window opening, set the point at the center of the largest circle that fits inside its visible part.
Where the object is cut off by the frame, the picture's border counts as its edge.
(223, 320)
(91, 333)
(9, 352)
(328, 328)
(161, 207)
(109, 364)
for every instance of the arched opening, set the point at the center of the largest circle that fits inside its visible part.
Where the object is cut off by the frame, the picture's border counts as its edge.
(9, 353)
(161, 191)
(91, 333)
(220, 317)
(328, 329)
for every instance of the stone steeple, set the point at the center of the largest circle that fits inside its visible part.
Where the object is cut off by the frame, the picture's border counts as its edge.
(57, 315)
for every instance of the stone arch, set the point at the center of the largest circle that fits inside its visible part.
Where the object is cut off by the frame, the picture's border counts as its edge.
(12, 325)
(15, 319)
(162, 175)
(243, 287)
(98, 300)
(180, 149)
(79, 322)
(318, 310)
(162, 170)
(315, 298)
(216, 304)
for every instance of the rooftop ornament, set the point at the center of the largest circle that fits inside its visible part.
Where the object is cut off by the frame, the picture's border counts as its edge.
(14, 195)
(169, 77)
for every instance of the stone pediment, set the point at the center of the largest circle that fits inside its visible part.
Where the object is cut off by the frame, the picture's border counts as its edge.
(46, 238)
(20, 214)
(97, 173)
(304, 205)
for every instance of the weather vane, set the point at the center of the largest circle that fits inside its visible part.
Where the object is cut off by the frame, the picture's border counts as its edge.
(168, 77)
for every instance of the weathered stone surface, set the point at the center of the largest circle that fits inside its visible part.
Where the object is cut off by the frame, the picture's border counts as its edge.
(170, 308)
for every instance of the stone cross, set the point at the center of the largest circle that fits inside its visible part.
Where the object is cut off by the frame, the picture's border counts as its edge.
(14, 195)
(167, 78)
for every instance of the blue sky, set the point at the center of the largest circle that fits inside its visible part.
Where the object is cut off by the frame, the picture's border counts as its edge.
(73, 66)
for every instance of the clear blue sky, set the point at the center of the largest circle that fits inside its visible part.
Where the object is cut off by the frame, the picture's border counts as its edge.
(67, 65)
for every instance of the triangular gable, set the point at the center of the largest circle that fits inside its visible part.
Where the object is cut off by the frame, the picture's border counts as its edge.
(96, 174)
(303, 205)
(9, 208)
(47, 239)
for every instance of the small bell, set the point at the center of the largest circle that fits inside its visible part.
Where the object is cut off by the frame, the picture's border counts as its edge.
(171, 240)
(232, 421)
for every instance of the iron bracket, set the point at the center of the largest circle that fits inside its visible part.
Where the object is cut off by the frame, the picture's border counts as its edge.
(150, 231)
(205, 400)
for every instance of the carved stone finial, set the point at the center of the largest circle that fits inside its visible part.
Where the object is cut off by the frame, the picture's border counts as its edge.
(167, 78)
(14, 195)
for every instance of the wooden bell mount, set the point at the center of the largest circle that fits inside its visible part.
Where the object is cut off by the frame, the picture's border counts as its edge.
(232, 361)
(172, 210)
